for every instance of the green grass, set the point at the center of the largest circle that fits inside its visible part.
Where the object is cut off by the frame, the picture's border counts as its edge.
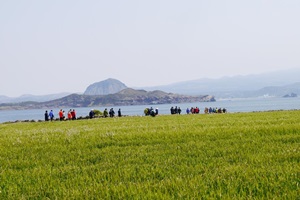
(220, 156)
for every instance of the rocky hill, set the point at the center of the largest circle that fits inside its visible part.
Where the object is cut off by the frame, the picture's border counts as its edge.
(108, 86)
(123, 98)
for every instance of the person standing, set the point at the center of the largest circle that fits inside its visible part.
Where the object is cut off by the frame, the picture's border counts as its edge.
(46, 116)
(111, 112)
(92, 114)
(51, 115)
(61, 115)
(70, 114)
(73, 113)
(119, 112)
(105, 113)
(187, 111)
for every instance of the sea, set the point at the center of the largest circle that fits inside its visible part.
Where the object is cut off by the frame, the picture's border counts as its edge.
(231, 105)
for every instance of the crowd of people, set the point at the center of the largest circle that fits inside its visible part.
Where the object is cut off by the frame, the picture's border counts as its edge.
(61, 114)
(196, 110)
(175, 110)
(111, 113)
(151, 112)
(193, 110)
(71, 115)
(214, 110)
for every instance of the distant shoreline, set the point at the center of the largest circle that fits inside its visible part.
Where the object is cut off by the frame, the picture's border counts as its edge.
(80, 118)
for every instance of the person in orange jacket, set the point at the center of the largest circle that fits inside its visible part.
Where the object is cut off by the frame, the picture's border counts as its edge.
(61, 115)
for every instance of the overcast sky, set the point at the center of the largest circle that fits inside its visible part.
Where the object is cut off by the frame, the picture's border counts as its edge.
(58, 46)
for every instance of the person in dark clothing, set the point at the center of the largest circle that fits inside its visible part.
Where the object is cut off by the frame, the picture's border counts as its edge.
(152, 113)
(172, 110)
(46, 116)
(73, 113)
(111, 112)
(179, 110)
(92, 114)
(119, 112)
(176, 110)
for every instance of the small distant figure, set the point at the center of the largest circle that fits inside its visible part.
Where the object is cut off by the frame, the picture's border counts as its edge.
(105, 113)
(146, 111)
(92, 114)
(61, 115)
(46, 116)
(206, 110)
(70, 115)
(51, 115)
(111, 112)
(156, 111)
(179, 110)
(172, 110)
(192, 110)
(187, 111)
(73, 113)
(119, 112)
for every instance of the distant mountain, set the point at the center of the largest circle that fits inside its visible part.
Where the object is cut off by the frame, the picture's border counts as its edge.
(125, 97)
(29, 97)
(235, 86)
(108, 86)
(278, 91)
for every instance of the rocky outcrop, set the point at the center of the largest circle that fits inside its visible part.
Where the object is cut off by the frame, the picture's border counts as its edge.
(108, 86)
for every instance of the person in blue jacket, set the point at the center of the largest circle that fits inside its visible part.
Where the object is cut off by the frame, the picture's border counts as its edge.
(51, 115)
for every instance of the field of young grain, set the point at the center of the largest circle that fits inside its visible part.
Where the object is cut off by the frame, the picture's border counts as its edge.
(219, 156)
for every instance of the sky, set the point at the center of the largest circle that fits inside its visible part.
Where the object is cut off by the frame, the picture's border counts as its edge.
(48, 47)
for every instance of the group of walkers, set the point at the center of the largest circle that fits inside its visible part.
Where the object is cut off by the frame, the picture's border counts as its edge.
(111, 113)
(175, 110)
(193, 110)
(61, 114)
(71, 115)
(196, 110)
(151, 112)
(214, 110)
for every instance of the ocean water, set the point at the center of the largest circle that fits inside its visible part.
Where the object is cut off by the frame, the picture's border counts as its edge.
(232, 106)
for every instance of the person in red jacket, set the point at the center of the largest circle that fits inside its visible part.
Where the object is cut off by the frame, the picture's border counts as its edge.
(69, 115)
(61, 115)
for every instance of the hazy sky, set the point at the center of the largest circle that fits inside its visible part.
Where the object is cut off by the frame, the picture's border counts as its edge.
(64, 45)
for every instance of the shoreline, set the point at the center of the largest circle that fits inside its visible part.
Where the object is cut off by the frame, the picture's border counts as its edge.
(98, 117)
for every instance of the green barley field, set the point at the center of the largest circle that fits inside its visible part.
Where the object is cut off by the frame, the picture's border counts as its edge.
(217, 156)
